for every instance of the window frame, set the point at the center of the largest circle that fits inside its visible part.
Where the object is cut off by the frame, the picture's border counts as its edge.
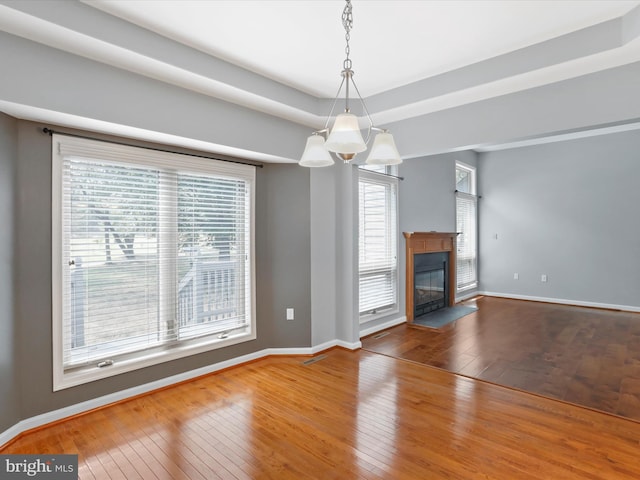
(387, 177)
(129, 155)
(471, 195)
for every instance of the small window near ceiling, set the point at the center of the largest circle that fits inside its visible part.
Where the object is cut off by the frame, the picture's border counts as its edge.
(465, 179)
(466, 226)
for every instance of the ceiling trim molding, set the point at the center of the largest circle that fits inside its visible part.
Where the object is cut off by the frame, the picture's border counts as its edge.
(83, 31)
(51, 117)
(560, 137)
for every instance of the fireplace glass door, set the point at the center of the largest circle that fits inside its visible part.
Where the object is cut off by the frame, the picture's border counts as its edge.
(430, 283)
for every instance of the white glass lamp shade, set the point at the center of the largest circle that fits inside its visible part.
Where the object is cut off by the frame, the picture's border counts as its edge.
(384, 151)
(345, 136)
(315, 154)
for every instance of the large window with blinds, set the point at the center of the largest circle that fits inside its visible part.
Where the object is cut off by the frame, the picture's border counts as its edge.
(466, 226)
(152, 257)
(378, 231)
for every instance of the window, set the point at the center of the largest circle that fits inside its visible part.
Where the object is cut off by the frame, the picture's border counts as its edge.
(152, 257)
(466, 226)
(378, 261)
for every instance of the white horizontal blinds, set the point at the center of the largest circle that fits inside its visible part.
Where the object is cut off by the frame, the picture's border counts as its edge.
(110, 212)
(213, 282)
(152, 255)
(377, 242)
(466, 215)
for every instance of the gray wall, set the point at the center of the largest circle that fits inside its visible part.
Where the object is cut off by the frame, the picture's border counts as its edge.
(334, 260)
(347, 300)
(283, 255)
(427, 200)
(568, 210)
(282, 250)
(324, 267)
(9, 411)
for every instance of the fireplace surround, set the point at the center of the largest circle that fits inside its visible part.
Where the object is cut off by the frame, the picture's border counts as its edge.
(417, 244)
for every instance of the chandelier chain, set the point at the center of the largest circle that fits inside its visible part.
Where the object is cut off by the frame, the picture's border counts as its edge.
(347, 23)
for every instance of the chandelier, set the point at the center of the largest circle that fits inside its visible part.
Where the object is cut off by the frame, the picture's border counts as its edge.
(345, 138)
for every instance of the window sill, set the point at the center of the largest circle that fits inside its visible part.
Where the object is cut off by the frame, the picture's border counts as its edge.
(79, 376)
(370, 317)
(468, 287)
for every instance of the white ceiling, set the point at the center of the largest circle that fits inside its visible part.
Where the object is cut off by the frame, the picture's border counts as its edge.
(393, 43)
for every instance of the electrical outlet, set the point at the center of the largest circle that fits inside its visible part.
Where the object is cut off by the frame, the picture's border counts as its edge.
(516, 276)
(543, 278)
(290, 314)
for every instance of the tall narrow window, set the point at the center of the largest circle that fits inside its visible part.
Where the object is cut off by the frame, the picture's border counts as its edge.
(378, 261)
(466, 225)
(152, 257)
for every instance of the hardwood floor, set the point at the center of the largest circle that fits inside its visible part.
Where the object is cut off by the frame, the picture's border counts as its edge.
(350, 415)
(586, 356)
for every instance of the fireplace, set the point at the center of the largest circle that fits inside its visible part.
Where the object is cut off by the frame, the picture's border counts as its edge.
(431, 273)
(430, 291)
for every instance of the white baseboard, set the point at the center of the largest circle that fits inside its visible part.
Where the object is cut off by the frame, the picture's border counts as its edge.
(347, 345)
(78, 408)
(383, 326)
(312, 350)
(11, 433)
(562, 301)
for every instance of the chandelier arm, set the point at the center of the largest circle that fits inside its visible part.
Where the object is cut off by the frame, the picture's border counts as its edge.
(366, 111)
(333, 106)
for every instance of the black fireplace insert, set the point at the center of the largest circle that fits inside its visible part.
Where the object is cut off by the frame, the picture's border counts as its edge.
(430, 272)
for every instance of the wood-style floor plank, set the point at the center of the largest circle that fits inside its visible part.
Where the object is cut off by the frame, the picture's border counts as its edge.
(586, 356)
(351, 415)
